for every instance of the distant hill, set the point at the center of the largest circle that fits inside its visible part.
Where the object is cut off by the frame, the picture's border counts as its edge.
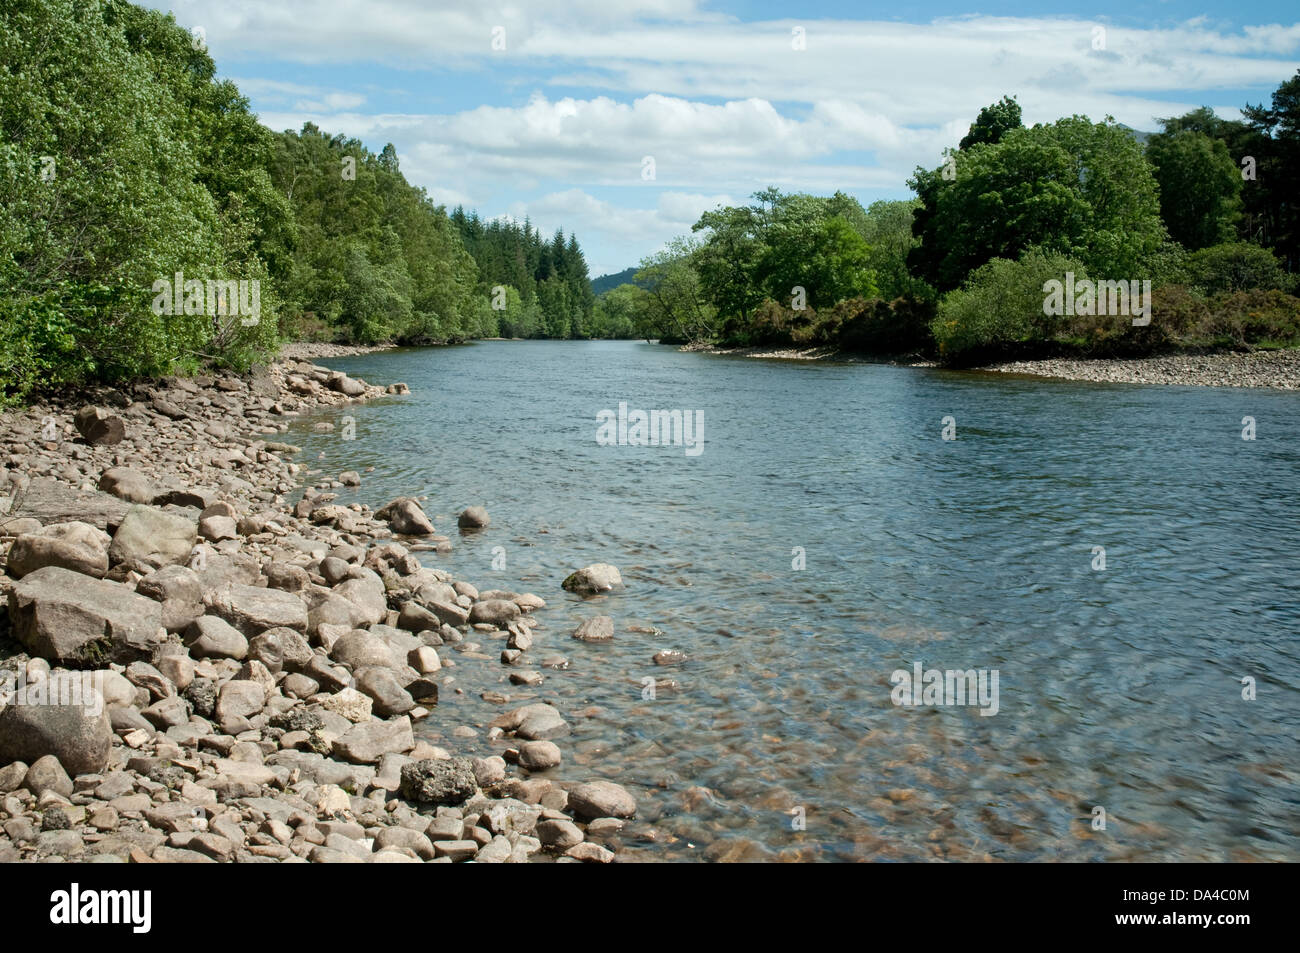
(610, 282)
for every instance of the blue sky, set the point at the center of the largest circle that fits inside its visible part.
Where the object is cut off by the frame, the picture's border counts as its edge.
(558, 124)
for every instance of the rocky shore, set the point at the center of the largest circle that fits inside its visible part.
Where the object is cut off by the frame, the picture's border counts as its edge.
(1277, 369)
(195, 669)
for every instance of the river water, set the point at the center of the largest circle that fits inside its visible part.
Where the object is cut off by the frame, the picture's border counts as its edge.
(826, 537)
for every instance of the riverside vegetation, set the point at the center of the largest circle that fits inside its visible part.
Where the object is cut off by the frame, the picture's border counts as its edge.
(1204, 210)
(124, 160)
(258, 665)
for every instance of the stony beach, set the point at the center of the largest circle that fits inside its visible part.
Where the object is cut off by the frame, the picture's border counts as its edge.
(193, 668)
(1275, 369)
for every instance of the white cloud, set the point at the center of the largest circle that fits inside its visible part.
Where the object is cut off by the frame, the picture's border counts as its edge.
(725, 107)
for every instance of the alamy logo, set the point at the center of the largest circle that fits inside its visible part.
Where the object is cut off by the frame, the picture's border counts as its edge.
(221, 296)
(655, 428)
(936, 688)
(1099, 297)
(75, 906)
(65, 689)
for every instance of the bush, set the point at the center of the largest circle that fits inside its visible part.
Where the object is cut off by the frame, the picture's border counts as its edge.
(1236, 266)
(901, 326)
(1000, 308)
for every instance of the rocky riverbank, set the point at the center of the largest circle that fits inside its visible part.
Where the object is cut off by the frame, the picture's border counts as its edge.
(315, 350)
(1277, 369)
(194, 669)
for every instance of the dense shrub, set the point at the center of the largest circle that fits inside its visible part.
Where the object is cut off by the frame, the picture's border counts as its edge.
(1236, 266)
(1000, 308)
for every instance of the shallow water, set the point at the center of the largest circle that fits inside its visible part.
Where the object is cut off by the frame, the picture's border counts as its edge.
(1119, 689)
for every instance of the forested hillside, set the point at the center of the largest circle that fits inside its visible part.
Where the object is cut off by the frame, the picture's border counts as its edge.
(149, 223)
(1203, 214)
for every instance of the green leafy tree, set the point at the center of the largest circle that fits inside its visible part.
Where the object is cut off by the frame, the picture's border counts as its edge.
(993, 123)
(1200, 187)
(1076, 187)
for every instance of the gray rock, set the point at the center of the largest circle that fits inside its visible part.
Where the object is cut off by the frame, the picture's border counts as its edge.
(403, 837)
(253, 609)
(405, 517)
(286, 576)
(439, 781)
(99, 426)
(76, 732)
(64, 616)
(388, 695)
(473, 517)
(130, 485)
(167, 712)
(359, 649)
(596, 629)
(153, 537)
(539, 755)
(559, 835)
(598, 577)
(213, 637)
(47, 774)
(240, 699)
(601, 799)
(77, 546)
(536, 722)
(12, 776)
(498, 612)
(367, 742)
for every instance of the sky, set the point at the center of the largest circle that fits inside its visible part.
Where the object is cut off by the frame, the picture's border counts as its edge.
(623, 121)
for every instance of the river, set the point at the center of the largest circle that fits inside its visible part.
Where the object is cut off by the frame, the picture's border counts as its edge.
(828, 536)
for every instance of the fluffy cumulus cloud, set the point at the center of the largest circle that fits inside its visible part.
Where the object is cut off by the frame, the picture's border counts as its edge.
(576, 96)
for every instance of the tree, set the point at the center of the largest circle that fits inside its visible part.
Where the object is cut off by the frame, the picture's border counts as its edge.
(993, 123)
(728, 262)
(676, 308)
(1080, 188)
(1200, 187)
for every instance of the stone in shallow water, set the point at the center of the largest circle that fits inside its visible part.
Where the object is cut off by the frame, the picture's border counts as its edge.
(596, 578)
(596, 629)
(601, 799)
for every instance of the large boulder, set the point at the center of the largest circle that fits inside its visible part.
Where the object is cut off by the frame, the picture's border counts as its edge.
(130, 485)
(153, 537)
(601, 799)
(64, 616)
(387, 693)
(77, 546)
(212, 637)
(51, 502)
(439, 781)
(405, 517)
(63, 716)
(254, 609)
(598, 577)
(99, 426)
(498, 612)
(366, 591)
(369, 741)
(359, 649)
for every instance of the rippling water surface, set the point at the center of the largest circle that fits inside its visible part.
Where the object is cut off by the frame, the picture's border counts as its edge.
(1119, 689)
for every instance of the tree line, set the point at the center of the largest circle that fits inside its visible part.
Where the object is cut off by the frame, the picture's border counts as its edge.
(127, 166)
(1204, 210)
